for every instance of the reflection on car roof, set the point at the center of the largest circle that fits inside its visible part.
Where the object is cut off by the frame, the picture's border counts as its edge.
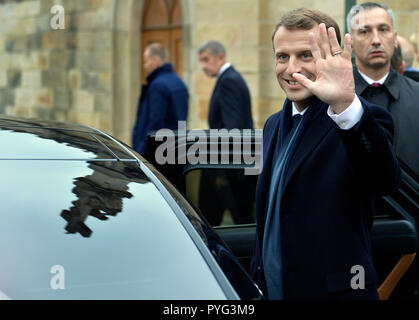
(41, 139)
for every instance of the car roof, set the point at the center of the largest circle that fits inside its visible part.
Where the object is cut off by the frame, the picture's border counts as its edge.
(22, 138)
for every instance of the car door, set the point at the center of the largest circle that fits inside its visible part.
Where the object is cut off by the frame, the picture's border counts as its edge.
(217, 172)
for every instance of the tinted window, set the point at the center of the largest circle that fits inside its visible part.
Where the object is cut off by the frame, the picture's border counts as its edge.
(229, 264)
(102, 226)
(224, 196)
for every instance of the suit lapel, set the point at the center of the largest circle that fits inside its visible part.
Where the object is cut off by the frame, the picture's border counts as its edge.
(360, 84)
(270, 138)
(317, 128)
(219, 79)
(214, 95)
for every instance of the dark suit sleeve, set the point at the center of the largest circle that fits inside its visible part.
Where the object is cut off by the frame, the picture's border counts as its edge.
(369, 145)
(232, 113)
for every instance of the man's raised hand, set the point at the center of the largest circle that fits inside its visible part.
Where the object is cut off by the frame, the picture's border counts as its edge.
(334, 82)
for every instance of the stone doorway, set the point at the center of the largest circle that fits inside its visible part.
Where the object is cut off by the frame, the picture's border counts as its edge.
(162, 23)
(132, 23)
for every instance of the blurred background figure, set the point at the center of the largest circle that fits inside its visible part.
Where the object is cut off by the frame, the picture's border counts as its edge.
(230, 105)
(230, 108)
(163, 100)
(397, 62)
(408, 54)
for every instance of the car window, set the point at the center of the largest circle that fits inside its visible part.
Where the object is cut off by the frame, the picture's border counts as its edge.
(225, 196)
(233, 270)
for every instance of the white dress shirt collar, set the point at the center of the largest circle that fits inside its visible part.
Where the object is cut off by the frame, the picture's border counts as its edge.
(224, 68)
(295, 110)
(371, 81)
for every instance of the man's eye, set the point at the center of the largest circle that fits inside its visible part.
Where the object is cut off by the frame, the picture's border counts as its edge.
(363, 31)
(306, 55)
(281, 57)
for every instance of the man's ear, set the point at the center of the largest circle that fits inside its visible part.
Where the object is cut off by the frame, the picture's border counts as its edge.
(401, 68)
(396, 43)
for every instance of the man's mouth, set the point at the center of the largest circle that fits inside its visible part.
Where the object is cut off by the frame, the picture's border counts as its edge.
(292, 84)
(377, 53)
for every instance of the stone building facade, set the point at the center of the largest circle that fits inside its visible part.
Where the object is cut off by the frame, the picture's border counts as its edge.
(90, 71)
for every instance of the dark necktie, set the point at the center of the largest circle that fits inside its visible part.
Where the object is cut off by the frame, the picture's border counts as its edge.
(296, 120)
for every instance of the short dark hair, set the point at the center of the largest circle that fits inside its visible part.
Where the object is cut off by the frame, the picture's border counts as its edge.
(364, 7)
(213, 47)
(306, 19)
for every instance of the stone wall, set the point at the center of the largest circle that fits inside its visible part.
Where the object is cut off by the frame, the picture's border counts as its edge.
(57, 74)
(89, 72)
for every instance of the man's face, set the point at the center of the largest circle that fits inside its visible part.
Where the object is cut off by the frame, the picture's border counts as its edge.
(293, 54)
(150, 62)
(210, 64)
(373, 39)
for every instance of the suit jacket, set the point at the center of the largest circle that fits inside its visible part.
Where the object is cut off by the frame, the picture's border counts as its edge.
(230, 105)
(326, 208)
(400, 96)
(414, 75)
(163, 102)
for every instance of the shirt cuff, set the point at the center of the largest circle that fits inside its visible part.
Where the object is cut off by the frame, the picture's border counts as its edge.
(349, 117)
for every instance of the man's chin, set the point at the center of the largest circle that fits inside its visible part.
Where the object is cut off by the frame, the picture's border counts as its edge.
(299, 97)
(378, 64)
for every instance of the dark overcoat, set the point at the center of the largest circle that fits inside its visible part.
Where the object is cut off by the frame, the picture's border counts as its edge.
(163, 102)
(400, 96)
(326, 208)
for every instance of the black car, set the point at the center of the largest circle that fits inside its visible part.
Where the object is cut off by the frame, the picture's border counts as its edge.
(85, 217)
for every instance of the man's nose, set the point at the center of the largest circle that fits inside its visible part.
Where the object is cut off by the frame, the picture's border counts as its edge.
(376, 41)
(293, 66)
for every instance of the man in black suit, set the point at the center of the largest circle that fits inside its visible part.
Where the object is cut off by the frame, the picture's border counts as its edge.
(374, 40)
(325, 155)
(230, 108)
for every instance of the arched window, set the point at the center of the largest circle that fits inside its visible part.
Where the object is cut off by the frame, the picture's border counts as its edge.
(162, 23)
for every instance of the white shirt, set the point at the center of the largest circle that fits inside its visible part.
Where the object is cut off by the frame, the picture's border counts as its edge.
(370, 81)
(223, 68)
(346, 119)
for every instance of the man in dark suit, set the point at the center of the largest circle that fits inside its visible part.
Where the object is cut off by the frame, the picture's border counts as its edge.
(374, 40)
(230, 108)
(230, 105)
(321, 169)
(164, 99)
